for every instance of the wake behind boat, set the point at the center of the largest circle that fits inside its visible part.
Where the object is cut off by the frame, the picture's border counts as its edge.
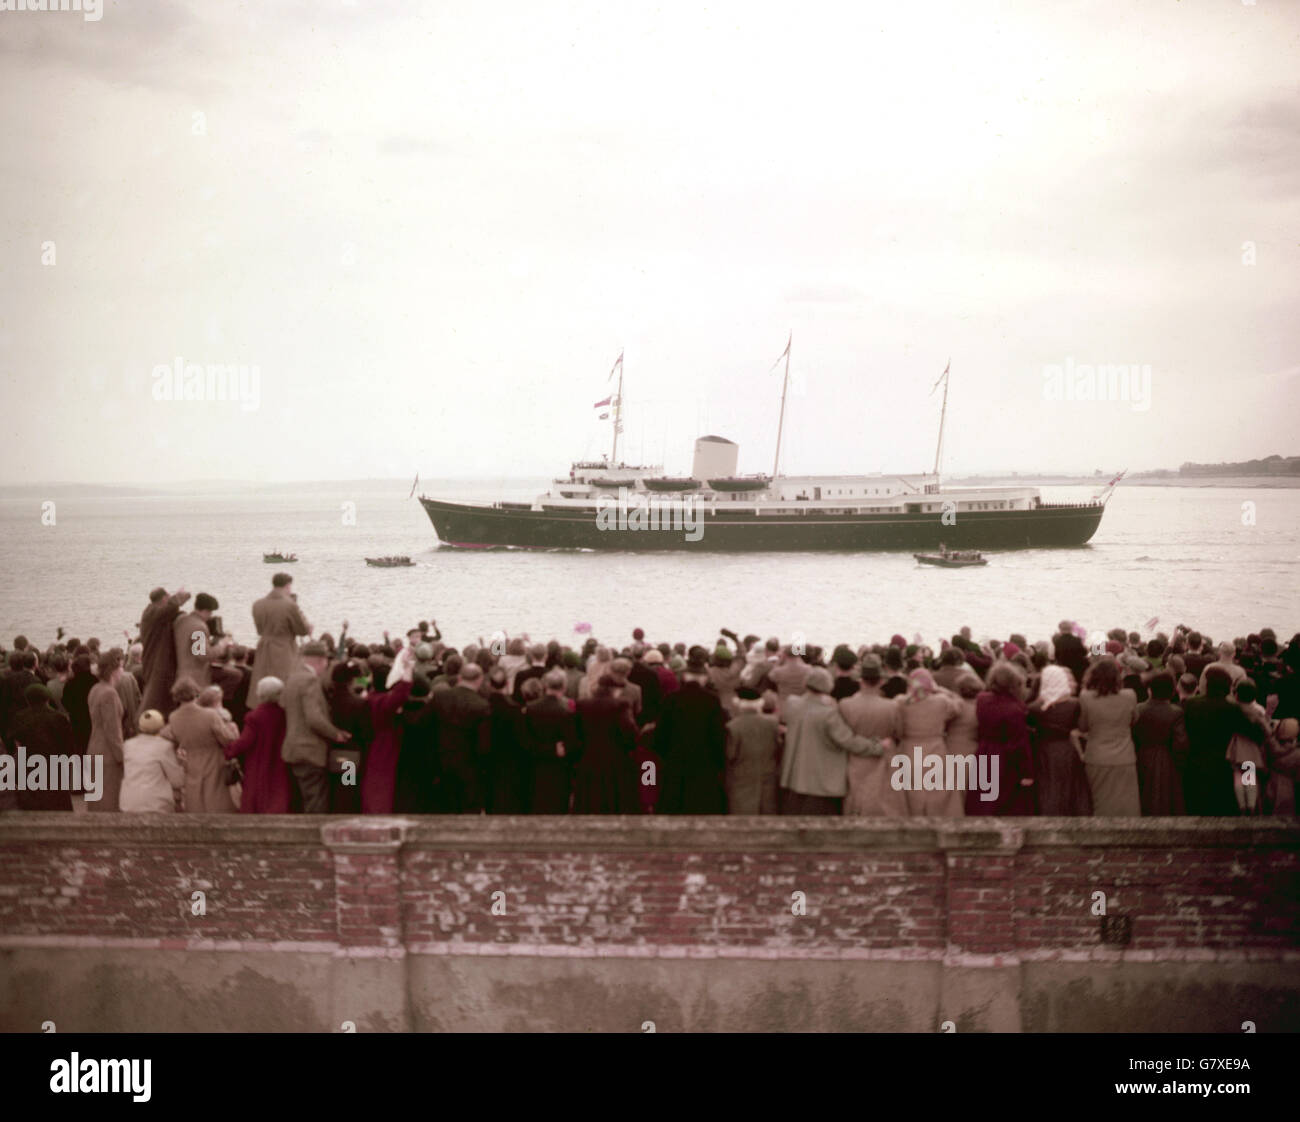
(717, 509)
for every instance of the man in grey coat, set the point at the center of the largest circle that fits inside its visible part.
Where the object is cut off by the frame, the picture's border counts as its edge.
(814, 768)
(308, 729)
(193, 641)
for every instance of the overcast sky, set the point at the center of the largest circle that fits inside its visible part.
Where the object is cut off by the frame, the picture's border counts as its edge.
(432, 228)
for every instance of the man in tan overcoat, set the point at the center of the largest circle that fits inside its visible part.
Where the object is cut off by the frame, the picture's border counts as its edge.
(279, 623)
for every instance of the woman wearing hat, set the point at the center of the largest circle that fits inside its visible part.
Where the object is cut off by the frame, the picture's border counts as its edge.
(152, 776)
(925, 712)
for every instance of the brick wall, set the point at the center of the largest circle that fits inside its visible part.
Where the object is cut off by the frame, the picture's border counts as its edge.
(972, 900)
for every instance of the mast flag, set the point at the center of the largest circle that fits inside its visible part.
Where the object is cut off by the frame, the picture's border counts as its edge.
(1106, 491)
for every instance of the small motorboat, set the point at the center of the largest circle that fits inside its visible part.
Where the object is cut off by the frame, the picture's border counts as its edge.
(279, 558)
(952, 558)
(669, 483)
(389, 562)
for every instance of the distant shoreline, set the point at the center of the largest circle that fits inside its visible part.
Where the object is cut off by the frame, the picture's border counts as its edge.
(199, 487)
(1255, 482)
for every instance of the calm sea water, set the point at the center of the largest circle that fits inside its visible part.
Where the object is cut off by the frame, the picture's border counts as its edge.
(1176, 554)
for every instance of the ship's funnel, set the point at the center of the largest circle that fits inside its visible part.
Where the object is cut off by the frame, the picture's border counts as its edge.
(715, 458)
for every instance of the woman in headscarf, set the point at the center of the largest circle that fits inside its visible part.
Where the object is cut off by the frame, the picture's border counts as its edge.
(1058, 763)
(924, 714)
(106, 716)
(268, 783)
(1106, 715)
(201, 735)
(379, 775)
(152, 776)
(1004, 739)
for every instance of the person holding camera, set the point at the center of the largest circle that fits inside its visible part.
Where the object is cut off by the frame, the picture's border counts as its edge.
(195, 640)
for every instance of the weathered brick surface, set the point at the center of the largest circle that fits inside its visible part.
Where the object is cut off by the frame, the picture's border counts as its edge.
(704, 887)
(1195, 897)
(744, 900)
(130, 890)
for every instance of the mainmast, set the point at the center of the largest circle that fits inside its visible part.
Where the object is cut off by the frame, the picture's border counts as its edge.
(618, 406)
(938, 451)
(776, 463)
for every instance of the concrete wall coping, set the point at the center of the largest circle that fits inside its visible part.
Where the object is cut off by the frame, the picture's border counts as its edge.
(537, 833)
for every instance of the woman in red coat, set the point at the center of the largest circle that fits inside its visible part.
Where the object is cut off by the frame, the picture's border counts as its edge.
(1004, 753)
(268, 786)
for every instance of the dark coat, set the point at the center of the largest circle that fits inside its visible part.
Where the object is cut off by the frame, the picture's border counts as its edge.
(416, 790)
(1004, 734)
(76, 702)
(233, 681)
(1160, 736)
(44, 731)
(464, 733)
(13, 698)
(691, 739)
(651, 691)
(351, 713)
(604, 780)
(524, 674)
(547, 724)
(158, 662)
(507, 777)
(1072, 654)
(1207, 781)
(1060, 781)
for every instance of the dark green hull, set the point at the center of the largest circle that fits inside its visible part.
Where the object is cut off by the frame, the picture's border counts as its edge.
(487, 527)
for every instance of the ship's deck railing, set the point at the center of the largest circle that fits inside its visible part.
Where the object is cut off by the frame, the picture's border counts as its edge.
(1064, 506)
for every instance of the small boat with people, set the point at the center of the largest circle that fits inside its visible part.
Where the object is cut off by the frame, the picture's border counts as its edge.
(389, 562)
(952, 558)
(279, 558)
